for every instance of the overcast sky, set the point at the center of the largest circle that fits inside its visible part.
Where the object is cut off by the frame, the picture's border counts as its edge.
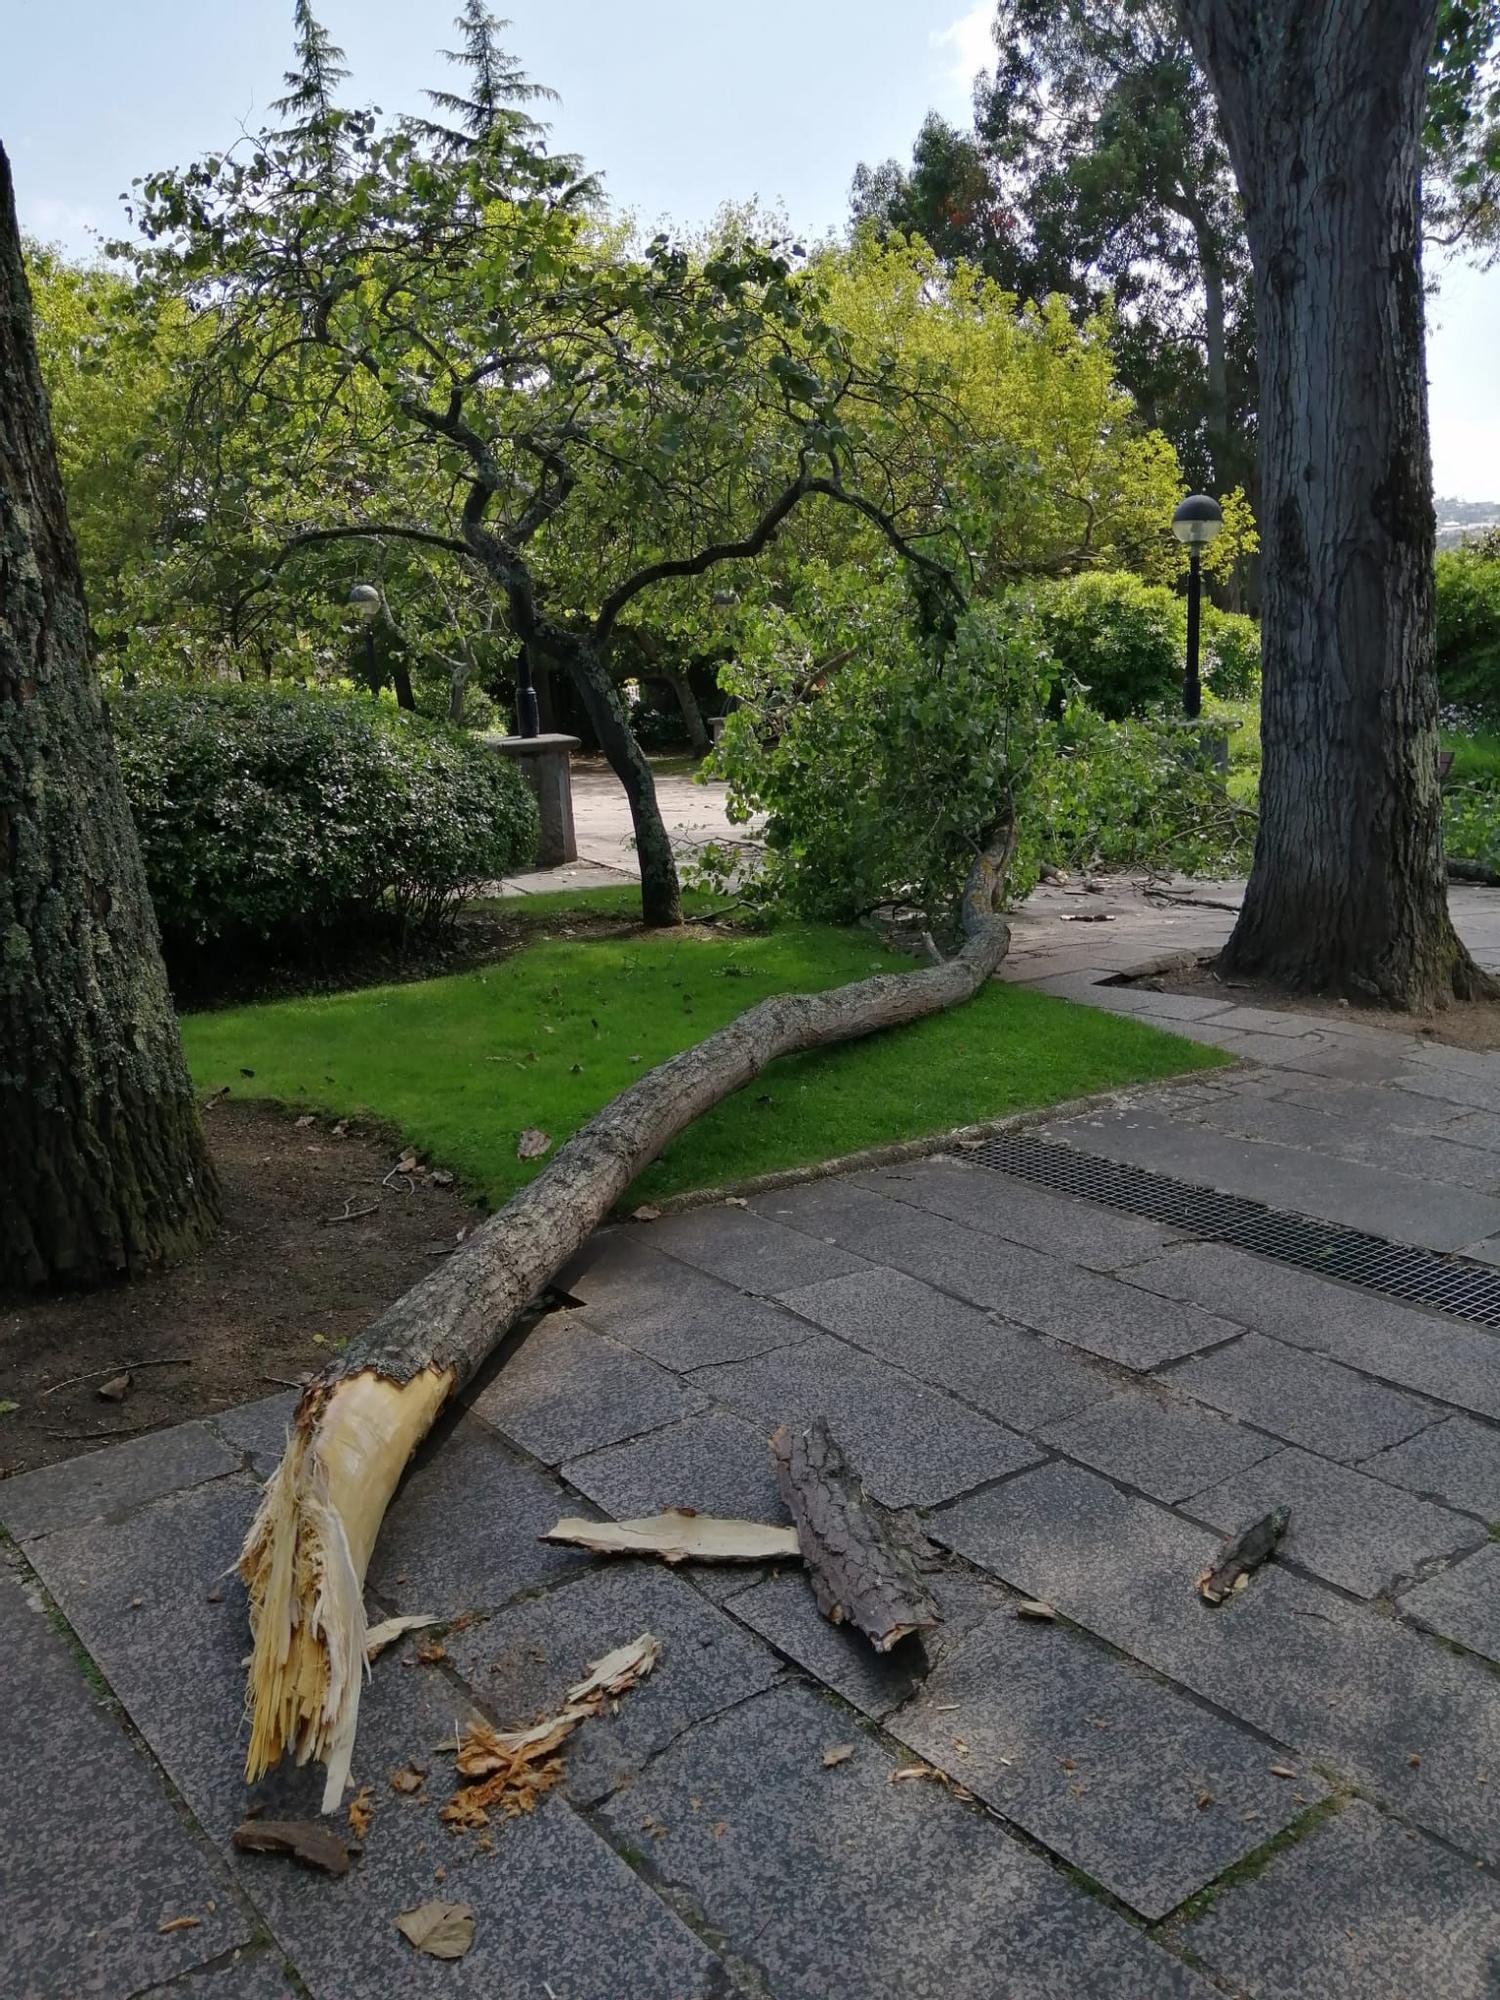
(681, 104)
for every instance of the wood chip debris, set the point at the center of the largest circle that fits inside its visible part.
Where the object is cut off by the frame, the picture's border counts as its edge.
(410, 1778)
(1036, 1609)
(389, 1630)
(837, 1753)
(361, 1811)
(179, 1924)
(305, 1840)
(1283, 1770)
(681, 1535)
(116, 1389)
(1243, 1553)
(509, 1770)
(442, 1930)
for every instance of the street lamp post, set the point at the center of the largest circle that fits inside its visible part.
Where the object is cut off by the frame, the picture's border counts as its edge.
(364, 601)
(1196, 522)
(528, 717)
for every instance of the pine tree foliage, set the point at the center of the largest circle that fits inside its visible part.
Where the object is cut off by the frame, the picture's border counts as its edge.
(497, 84)
(310, 100)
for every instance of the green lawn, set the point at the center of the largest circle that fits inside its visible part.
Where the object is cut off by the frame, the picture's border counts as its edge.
(459, 1066)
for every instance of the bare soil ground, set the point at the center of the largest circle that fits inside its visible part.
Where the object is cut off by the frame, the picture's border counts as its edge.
(1464, 1024)
(276, 1291)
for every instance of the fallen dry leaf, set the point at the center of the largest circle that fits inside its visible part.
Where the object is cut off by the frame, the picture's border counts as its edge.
(1204, 1801)
(1283, 1771)
(361, 1812)
(441, 1178)
(837, 1753)
(313, 1845)
(906, 1771)
(647, 1212)
(1036, 1608)
(410, 1778)
(307, 1118)
(179, 1924)
(442, 1930)
(532, 1143)
(431, 1651)
(116, 1389)
(389, 1630)
(680, 1535)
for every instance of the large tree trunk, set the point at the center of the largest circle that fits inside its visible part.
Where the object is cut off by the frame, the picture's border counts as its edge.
(1322, 103)
(105, 1168)
(305, 1557)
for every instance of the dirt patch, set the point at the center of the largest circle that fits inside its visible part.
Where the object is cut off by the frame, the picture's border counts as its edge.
(279, 1288)
(1463, 1024)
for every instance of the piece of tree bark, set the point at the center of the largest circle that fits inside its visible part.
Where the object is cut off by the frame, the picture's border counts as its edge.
(359, 1421)
(862, 1568)
(680, 1535)
(1322, 102)
(1242, 1553)
(105, 1171)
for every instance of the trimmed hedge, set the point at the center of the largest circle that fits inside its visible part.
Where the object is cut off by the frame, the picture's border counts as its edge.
(283, 815)
(1123, 641)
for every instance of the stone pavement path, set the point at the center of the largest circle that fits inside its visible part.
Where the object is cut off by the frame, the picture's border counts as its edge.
(1295, 1795)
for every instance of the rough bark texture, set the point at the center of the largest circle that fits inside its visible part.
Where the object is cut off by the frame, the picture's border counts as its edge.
(105, 1170)
(862, 1573)
(1322, 103)
(699, 740)
(461, 1311)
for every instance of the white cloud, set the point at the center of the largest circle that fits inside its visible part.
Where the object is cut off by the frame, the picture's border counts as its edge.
(968, 46)
(74, 225)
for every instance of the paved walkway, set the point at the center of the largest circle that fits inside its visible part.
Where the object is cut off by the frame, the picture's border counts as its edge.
(1295, 1795)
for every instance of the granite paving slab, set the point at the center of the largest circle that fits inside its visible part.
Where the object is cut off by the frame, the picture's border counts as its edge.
(1078, 1306)
(1080, 1232)
(838, 1882)
(1345, 1527)
(1391, 1709)
(461, 1533)
(1364, 1907)
(1122, 1776)
(111, 1480)
(676, 1314)
(569, 1390)
(1302, 1397)
(186, 1700)
(1457, 1461)
(756, 1255)
(1153, 1441)
(520, 1665)
(715, 1463)
(1453, 1360)
(257, 1430)
(1386, 1203)
(1011, 1374)
(1324, 1130)
(1463, 1603)
(95, 1858)
(911, 1445)
(245, 1975)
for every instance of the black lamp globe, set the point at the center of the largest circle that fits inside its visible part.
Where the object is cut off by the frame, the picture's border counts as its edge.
(1197, 520)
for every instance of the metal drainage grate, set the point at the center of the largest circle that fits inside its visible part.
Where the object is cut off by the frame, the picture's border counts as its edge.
(1423, 1277)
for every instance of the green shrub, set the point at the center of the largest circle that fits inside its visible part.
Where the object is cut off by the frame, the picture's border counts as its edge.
(280, 814)
(1123, 642)
(1468, 629)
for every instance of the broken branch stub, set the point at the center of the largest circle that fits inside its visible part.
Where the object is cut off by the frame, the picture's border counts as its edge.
(862, 1568)
(1244, 1552)
(359, 1421)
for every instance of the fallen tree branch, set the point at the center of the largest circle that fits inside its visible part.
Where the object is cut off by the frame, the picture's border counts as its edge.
(862, 1572)
(114, 1368)
(358, 1422)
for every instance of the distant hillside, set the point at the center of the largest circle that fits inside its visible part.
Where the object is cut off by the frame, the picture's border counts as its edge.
(1462, 520)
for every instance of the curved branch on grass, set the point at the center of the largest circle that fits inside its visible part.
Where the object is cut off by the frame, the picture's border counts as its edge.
(357, 1424)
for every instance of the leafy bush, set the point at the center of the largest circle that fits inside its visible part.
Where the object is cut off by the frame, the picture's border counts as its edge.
(280, 814)
(879, 774)
(1468, 628)
(1123, 642)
